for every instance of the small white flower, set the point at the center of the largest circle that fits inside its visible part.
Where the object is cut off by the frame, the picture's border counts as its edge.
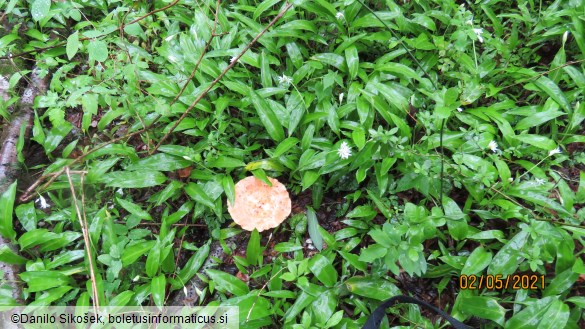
(344, 150)
(460, 109)
(339, 15)
(510, 179)
(136, 278)
(120, 192)
(478, 32)
(43, 202)
(565, 36)
(493, 146)
(539, 181)
(284, 80)
(554, 151)
(341, 98)
(185, 291)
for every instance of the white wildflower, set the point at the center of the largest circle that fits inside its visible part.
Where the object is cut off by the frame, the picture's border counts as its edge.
(339, 15)
(43, 202)
(136, 278)
(565, 36)
(554, 151)
(493, 146)
(459, 109)
(344, 150)
(120, 192)
(341, 98)
(539, 181)
(479, 33)
(185, 291)
(284, 80)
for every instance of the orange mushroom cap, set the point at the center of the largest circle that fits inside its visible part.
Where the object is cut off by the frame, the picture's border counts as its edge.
(259, 206)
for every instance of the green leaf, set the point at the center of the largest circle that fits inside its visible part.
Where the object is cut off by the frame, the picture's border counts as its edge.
(401, 69)
(72, 45)
(538, 118)
(44, 280)
(133, 179)
(198, 194)
(226, 162)
(6, 207)
(562, 282)
(266, 164)
(7, 39)
(542, 310)
(135, 251)
(265, 72)
(359, 138)
(229, 188)
(539, 199)
(267, 117)
(159, 162)
(373, 252)
(35, 237)
(193, 265)
(383, 208)
(262, 7)
(353, 61)
(284, 146)
(314, 232)
(296, 107)
(309, 178)
(40, 9)
(287, 247)
(553, 91)
(331, 59)
(157, 289)
(122, 299)
(134, 209)
(323, 270)
(507, 260)
(485, 308)
(7, 255)
(226, 282)
(577, 117)
(539, 141)
(371, 287)
(477, 261)
(98, 50)
(153, 260)
(253, 251)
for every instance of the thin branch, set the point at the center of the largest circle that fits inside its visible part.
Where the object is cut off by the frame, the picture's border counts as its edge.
(153, 12)
(86, 240)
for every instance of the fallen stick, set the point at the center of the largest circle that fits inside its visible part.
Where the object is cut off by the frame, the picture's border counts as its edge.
(9, 166)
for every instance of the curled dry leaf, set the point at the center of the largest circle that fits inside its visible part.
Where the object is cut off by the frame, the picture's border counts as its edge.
(259, 206)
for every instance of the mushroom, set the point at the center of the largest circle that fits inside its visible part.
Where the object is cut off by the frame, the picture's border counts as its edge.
(259, 206)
